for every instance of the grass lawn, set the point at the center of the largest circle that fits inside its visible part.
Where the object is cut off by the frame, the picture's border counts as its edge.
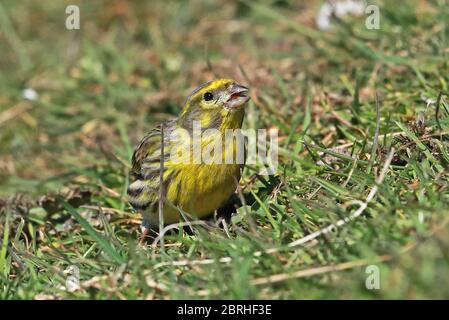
(379, 174)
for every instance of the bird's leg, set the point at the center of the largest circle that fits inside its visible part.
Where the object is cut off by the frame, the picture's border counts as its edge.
(144, 234)
(145, 231)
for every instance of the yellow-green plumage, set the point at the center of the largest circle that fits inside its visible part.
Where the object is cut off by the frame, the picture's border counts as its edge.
(198, 189)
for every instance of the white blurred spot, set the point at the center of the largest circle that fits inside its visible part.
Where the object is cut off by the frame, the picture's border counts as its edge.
(72, 282)
(340, 8)
(323, 19)
(30, 94)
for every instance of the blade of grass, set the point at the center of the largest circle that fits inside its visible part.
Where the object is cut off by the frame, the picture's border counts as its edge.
(267, 212)
(4, 244)
(336, 190)
(92, 232)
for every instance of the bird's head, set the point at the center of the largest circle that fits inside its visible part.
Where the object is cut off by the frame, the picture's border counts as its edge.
(216, 104)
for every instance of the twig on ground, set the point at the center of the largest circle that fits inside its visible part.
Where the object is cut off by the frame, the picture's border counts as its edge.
(362, 206)
(318, 270)
(14, 112)
(178, 225)
(345, 265)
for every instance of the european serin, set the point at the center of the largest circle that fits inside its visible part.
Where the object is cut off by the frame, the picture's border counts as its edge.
(198, 188)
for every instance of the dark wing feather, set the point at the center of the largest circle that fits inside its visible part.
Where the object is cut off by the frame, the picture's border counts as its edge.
(144, 182)
(149, 146)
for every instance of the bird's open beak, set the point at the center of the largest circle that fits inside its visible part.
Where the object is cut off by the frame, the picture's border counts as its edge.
(238, 96)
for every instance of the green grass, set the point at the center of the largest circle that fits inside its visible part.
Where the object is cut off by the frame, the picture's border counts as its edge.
(64, 158)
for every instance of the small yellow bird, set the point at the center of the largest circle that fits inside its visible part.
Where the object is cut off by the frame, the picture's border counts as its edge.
(195, 187)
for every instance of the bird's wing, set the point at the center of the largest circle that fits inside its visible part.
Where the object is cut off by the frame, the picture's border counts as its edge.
(149, 148)
(145, 171)
(147, 155)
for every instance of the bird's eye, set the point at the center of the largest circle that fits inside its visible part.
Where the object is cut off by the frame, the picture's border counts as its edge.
(208, 96)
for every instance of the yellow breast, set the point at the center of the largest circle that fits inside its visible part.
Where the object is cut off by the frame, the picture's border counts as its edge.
(200, 189)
